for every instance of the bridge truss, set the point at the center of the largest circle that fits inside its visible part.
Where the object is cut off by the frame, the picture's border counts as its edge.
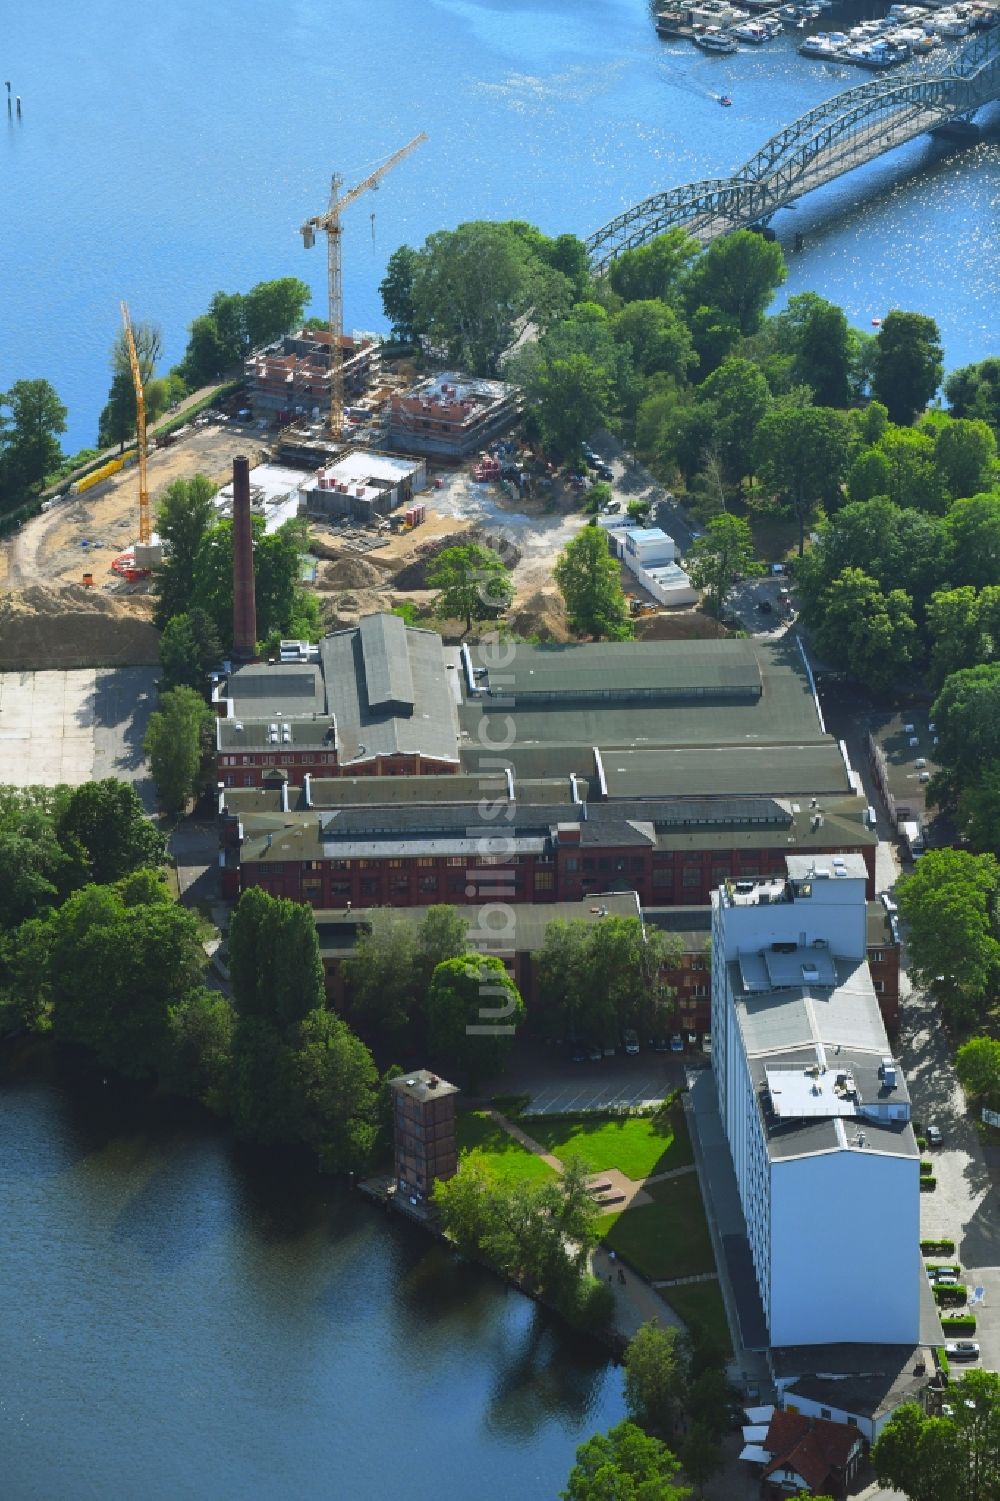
(846, 131)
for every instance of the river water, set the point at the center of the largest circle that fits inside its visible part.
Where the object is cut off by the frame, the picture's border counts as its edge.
(168, 151)
(186, 1319)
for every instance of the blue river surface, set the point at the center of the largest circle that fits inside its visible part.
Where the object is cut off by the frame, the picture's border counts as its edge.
(186, 1320)
(167, 152)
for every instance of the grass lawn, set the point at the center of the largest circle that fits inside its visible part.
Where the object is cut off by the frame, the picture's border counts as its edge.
(637, 1146)
(510, 1161)
(668, 1238)
(701, 1307)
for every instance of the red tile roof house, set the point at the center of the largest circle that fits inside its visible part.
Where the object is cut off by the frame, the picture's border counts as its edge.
(809, 1454)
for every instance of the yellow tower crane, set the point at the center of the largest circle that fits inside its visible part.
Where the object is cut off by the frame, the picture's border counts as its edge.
(145, 530)
(330, 224)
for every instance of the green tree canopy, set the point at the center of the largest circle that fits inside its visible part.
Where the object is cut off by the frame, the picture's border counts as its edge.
(949, 1458)
(966, 714)
(388, 975)
(948, 904)
(337, 1090)
(977, 1064)
(740, 398)
(965, 454)
(909, 363)
(186, 512)
(600, 977)
(974, 391)
(653, 271)
(589, 580)
(738, 275)
(624, 1465)
(723, 552)
(117, 423)
(189, 649)
(36, 870)
(472, 581)
(657, 338)
(175, 743)
(801, 452)
(237, 322)
(114, 971)
(29, 437)
(283, 608)
(872, 634)
(396, 292)
(274, 959)
(475, 290)
(972, 534)
(573, 398)
(473, 1011)
(900, 549)
(656, 1379)
(964, 629)
(822, 346)
(106, 823)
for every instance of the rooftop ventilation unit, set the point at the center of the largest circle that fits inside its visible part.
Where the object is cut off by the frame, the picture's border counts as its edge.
(810, 974)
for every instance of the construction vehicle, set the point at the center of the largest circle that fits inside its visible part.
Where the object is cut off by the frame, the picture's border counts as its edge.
(329, 224)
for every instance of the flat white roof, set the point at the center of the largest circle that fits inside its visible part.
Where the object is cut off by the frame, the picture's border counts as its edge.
(358, 468)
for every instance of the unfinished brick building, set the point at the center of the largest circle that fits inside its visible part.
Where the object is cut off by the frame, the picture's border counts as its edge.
(451, 416)
(291, 377)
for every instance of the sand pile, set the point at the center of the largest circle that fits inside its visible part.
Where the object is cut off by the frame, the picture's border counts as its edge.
(75, 627)
(542, 615)
(350, 572)
(679, 625)
(346, 607)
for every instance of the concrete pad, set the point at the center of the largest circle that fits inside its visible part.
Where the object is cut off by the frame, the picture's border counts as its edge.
(74, 726)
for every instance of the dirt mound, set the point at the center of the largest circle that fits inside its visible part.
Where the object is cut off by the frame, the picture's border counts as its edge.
(350, 572)
(414, 574)
(75, 627)
(540, 615)
(346, 607)
(679, 625)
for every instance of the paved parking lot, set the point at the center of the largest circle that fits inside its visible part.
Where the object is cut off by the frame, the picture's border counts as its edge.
(557, 1085)
(75, 726)
(965, 1206)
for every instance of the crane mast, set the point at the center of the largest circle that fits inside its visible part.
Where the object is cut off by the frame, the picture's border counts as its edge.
(329, 223)
(145, 530)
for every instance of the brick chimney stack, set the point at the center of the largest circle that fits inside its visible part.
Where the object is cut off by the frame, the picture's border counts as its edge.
(244, 598)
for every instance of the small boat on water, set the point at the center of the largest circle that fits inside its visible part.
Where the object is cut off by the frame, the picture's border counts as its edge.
(725, 100)
(754, 32)
(714, 40)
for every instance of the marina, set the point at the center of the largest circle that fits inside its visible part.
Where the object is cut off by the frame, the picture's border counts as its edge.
(905, 33)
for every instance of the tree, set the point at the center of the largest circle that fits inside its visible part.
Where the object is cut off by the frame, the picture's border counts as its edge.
(738, 274)
(189, 649)
(656, 1378)
(911, 470)
(104, 821)
(974, 391)
(273, 308)
(31, 448)
(573, 398)
(659, 342)
(871, 633)
(200, 1031)
(117, 422)
(274, 960)
(174, 743)
(338, 1089)
(966, 715)
(114, 971)
(977, 1064)
(624, 1465)
(901, 549)
(381, 979)
(478, 287)
(701, 1455)
(978, 813)
(36, 871)
(949, 1458)
(589, 580)
(396, 292)
(653, 271)
(473, 582)
(473, 1011)
(185, 514)
(802, 452)
(948, 904)
(964, 628)
(283, 608)
(823, 348)
(442, 934)
(722, 553)
(972, 534)
(909, 363)
(740, 396)
(965, 453)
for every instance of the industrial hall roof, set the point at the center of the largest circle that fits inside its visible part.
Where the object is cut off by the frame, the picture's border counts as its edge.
(620, 670)
(389, 691)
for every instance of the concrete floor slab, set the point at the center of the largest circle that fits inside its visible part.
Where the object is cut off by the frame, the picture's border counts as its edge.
(74, 726)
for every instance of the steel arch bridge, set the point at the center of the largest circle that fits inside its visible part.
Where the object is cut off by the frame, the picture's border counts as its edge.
(852, 128)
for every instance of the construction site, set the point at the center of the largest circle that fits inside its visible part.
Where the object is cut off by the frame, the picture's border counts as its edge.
(387, 466)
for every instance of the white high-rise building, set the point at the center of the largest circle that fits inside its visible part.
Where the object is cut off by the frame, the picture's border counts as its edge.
(814, 1108)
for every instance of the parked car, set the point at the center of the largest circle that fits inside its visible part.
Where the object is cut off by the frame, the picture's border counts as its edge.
(934, 1136)
(595, 1054)
(677, 1043)
(659, 1044)
(631, 1040)
(604, 470)
(962, 1349)
(579, 1054)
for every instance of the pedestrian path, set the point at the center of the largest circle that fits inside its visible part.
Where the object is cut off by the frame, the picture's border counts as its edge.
(525, 1140)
